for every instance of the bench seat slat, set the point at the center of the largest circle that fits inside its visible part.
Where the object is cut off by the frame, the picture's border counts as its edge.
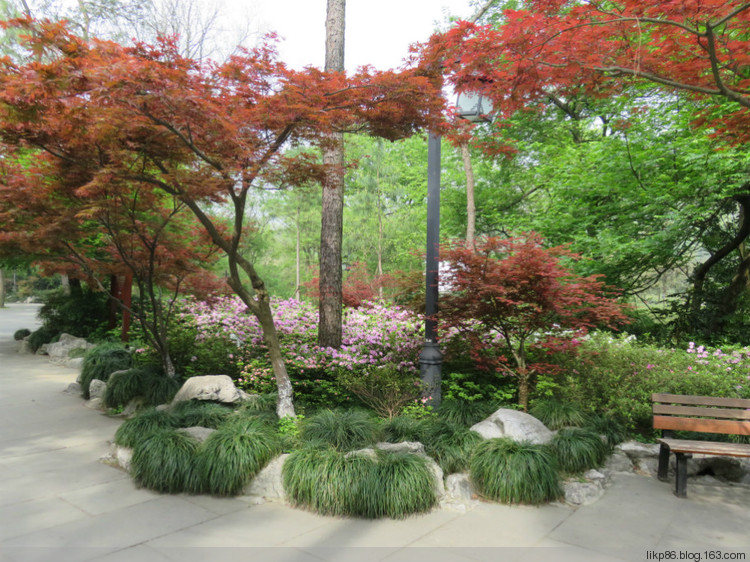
(707, 447)
(705, 412)
(701, 400)
(702, 425)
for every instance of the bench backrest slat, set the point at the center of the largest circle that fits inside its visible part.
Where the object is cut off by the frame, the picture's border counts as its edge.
(701, 412)
(701, 400)
(702, 425)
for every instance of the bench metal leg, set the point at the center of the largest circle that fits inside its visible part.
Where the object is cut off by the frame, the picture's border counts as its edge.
(663, 473)
(681, 479)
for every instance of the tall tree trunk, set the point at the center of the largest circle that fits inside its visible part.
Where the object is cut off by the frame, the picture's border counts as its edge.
(298, 280)
(471, 210)
(65, 283)
(332, 220)
(380, 239)
(2, 288)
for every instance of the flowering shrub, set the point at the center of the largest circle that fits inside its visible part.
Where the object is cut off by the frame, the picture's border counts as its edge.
(225, 339)
(617, 375)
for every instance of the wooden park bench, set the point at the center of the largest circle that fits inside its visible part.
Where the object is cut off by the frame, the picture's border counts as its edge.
(701, 414)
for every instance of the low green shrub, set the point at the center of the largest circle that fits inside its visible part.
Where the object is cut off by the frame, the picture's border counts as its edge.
(510, 472)
(18, 335)
(344, 430)
(577, 449)
(192, 413)
(233, 455)
(449, 444)
(332, 483)
(148, 383)
(101, 361)
(39, 337)
(165, 461)
(404, 428)
(142, 425)
(466, 412)
(608, 426)
(386, 388)
(556, 415)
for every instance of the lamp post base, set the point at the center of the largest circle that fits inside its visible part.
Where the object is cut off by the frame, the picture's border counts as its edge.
(430, 365)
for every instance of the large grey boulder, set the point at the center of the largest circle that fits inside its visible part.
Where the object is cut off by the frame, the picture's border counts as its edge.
(24, 347)
(404, 447)
(268, 484)
(214, 388)
(518, 426)
(58, 351)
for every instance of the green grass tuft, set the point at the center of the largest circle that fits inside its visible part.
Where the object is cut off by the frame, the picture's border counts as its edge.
(344, 430)
(141, 426)
(610, 427)
(165, 461)
(450, 444)
(204, 414)
(100, 362)
(404, 428)
(465, 412)
(332, 483)
(510, 472)
(18, 335)
(577, 449)
(146, 382)
(556, 415)
(233, 455)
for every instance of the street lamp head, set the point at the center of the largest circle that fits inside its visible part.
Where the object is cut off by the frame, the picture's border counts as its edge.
(473, 107)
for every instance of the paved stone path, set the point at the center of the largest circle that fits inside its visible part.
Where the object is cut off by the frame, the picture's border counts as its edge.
(58, 503)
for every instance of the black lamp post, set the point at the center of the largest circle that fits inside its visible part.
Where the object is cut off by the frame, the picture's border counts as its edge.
(473, 107)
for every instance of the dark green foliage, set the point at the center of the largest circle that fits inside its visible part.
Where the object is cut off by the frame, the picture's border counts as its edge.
(510, 472)
(149, 383)
(450, 444)
(331, 483)
(21, 334)
(466, 412)
(165, 461)
(83, 313)
(41, 336)
(404, 428)
(200, 413)
(577, 449)
(345, 430)
(556, 415)
(233, 455)
(141, 426)
(610, 427)
(101, 361)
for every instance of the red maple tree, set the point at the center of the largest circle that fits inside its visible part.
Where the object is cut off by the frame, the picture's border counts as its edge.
(552, 49)
(509, 296)
(203, 134)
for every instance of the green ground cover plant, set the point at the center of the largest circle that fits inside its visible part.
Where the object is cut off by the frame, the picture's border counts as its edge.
(509, 472)
(344, 430)
(165, 461)
(101, 361)
(148, 383)
(577, 449)
(556, 415)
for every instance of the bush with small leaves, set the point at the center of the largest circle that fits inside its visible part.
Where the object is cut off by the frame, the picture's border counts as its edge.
(511, 472)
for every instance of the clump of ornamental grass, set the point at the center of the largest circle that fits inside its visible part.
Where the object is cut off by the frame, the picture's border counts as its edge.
(556, 415)
(330, 482)
(450, 444)
(148, 383)
(577, 449)
(344, 430)
(142, 425)
(232, 456)
(466, 412)
(18, 335)
(611, 428)
(165, 461)
(190, 413)
(404, 428)
(510, 472)
(100, 362)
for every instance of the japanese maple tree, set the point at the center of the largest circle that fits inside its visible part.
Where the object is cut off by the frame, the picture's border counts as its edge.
(550, 49)
(203, 134)
(509, 296)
